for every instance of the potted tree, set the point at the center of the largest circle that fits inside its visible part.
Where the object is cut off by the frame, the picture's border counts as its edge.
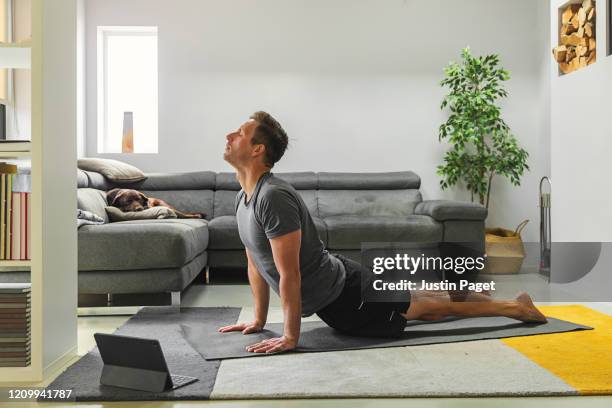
(482, 145)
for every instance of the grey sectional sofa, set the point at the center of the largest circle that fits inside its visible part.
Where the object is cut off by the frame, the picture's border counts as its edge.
(166, 255)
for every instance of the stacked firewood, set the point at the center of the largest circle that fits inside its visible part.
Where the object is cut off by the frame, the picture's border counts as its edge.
(577, 48)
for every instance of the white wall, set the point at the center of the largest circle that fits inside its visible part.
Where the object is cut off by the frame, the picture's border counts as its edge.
(355, 83)
(581, 143)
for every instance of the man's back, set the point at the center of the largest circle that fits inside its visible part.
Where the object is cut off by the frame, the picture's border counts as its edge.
(275, 209)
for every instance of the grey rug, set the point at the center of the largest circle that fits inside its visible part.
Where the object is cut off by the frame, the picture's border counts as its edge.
(161, 323)
(318, 337)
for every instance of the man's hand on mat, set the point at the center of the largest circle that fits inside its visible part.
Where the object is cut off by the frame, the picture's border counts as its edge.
(275, 345)
(245, 328)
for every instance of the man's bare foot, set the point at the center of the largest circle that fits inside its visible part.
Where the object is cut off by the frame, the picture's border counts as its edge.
(527, 310)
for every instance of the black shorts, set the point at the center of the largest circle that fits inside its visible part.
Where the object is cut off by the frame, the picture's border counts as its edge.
(350, 315)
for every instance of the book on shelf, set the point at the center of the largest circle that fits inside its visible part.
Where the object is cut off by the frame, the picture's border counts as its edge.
(27, 225)
(17, 349)
(9, 217)
(14, 346)
(14, 298)
(21, 319)
(6, 331)
(2, 215)
(15, 145)
(15, 288)
(16, 227)
(15, 187)
(14, 364)
(14, 315)
(14, 305)
(15, 339)
(5, 297)
(7, 172)
(15, 359)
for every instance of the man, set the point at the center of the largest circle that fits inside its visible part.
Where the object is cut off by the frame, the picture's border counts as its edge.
(284, 252)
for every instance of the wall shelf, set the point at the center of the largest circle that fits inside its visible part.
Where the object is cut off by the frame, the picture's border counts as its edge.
(15, 55)
(14, 155)
(15, 263)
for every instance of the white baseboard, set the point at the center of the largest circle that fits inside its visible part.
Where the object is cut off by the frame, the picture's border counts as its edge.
(108, 311)
(59, 363)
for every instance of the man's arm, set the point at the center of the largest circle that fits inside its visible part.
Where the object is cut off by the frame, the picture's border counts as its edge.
(261, 292)
(261, 298)
(286, 253)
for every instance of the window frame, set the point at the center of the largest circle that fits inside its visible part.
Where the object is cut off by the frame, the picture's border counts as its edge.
(103, 32)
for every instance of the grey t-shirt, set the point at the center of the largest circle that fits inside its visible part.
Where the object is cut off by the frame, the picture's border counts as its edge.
(276, 209)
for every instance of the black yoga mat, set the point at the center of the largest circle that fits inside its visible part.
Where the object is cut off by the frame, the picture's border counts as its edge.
(162, 323)
(318, 337)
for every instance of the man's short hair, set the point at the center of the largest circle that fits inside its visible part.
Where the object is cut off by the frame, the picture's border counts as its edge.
(270, 134)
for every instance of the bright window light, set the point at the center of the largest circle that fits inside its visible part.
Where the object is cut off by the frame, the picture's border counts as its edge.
(127, 82)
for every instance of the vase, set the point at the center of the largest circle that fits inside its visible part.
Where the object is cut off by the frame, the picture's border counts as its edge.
(127, 142)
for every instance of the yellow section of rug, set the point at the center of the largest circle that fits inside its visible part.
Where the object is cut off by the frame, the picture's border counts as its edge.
(583, 359)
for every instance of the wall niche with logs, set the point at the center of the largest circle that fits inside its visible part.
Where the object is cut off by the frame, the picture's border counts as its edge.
(577, 43)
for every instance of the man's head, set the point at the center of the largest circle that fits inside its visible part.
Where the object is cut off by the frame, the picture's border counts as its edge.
(261, 139)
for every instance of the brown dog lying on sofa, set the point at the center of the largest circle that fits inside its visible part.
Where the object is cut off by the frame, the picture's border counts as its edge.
(133, 200)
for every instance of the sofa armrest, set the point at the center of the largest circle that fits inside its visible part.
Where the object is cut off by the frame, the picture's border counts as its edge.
(444, 210)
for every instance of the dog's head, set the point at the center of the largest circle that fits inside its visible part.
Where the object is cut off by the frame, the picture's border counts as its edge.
(127, 200)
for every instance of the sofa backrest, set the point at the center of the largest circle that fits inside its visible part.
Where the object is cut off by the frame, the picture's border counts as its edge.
(92, 200)
(325, 194)
(227, 186)
(379, 194)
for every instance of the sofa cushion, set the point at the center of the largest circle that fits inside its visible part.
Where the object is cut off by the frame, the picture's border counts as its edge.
(397, 180)
(145, 244)
(224, 233)
(153, 213)
(195, 201)
(193, 180)
(82, 180)
(115, 170)
(386, 203)
(310, 199)
(92, 200)
(321, 229)
(349, 231)
(305, 180)
(224, 203)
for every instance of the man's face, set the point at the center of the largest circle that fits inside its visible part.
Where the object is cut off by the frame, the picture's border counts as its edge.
(239, 149)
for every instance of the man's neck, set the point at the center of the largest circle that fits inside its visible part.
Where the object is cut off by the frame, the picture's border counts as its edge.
(248, 178)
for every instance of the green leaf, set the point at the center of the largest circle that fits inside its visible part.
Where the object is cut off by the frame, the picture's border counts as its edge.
(481, 143)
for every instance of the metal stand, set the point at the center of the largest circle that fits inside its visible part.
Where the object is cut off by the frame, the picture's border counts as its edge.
(175, 299)
(545, 228)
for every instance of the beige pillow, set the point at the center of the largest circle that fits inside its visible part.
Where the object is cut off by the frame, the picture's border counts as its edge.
(113, 170)
(153, 213)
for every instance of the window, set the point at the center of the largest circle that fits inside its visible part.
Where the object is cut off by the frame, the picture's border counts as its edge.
(127, 82)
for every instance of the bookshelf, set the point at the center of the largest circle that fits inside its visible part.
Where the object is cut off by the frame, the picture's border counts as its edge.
(19, 56)
(52, 156)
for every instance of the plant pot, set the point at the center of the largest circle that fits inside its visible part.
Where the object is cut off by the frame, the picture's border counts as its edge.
(504, 249)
